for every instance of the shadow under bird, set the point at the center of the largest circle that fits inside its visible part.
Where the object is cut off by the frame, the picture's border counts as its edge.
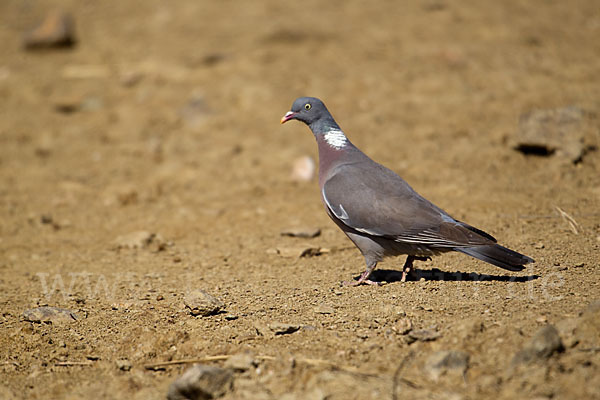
(380, 212)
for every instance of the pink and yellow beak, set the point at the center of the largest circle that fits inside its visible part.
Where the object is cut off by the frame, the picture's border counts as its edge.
(288, 115)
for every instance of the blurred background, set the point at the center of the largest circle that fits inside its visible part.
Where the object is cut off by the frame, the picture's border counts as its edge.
(163, 118)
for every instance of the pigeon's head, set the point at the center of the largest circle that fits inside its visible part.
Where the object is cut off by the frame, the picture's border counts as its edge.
(311, 111)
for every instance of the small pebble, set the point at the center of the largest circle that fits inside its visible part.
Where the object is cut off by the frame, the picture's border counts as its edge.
(302, 232)
(403, 326)
(201, 303)
(56, 30)
(201, 382)
(279, 328)
(124, 365)
(424, 335)
(52, 315)
(324, 309)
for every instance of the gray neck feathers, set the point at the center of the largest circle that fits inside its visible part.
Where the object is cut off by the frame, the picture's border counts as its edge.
(323, 125)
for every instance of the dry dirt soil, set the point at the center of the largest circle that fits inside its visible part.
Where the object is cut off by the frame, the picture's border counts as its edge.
(164, 118)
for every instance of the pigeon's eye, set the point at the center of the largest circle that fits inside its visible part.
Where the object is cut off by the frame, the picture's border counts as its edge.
(307, 106)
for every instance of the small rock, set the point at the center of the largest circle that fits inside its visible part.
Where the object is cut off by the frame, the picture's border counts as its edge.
(124, 365)
(403, 326)
(56, 30)
(303, 169)
(262, 329)
(140, 240)
(567, 330)
(560, 131)
(539, 245)
(201, 382)
(272, 251)
(446, 361)
(52, 315)
(48, 220)
(279, 328)
(67, 105)
(424, 335)
(240, 362)
(201, 303)
(299, 251)
(302, 232)
(544, 343)
(324, 309)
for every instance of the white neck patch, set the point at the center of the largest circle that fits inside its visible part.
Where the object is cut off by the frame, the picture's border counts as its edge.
(336, 138)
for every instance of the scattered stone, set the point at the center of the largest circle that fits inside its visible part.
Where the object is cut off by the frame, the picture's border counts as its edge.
(544, 343)
(560, 131)
(201, 382)
(424, 335)
(124, 365)
(279, 328)
(262, 329)
(140, 240)
(67, 104)
(300, 251)
(53, 315)
(303, 232)
(47, 219)
(241, 362)
(403, 326)
(56, 30)
(231, 317)
(303, 169)
(539, 245)
(446, 361)
(567, 330)
(324, 309)
(201, 303)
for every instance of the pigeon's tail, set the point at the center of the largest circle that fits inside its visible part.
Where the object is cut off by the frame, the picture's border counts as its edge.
(498, 255)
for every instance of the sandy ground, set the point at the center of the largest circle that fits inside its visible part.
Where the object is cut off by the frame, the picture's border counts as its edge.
(164, 118)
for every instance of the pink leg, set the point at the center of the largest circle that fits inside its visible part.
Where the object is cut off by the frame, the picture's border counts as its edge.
(406, 270)
(364, 278)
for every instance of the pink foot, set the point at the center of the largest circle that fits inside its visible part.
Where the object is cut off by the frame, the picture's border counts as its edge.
(359, 282)
(405, 274)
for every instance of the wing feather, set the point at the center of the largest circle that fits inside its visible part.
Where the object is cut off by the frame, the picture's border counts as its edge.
(372, 199)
